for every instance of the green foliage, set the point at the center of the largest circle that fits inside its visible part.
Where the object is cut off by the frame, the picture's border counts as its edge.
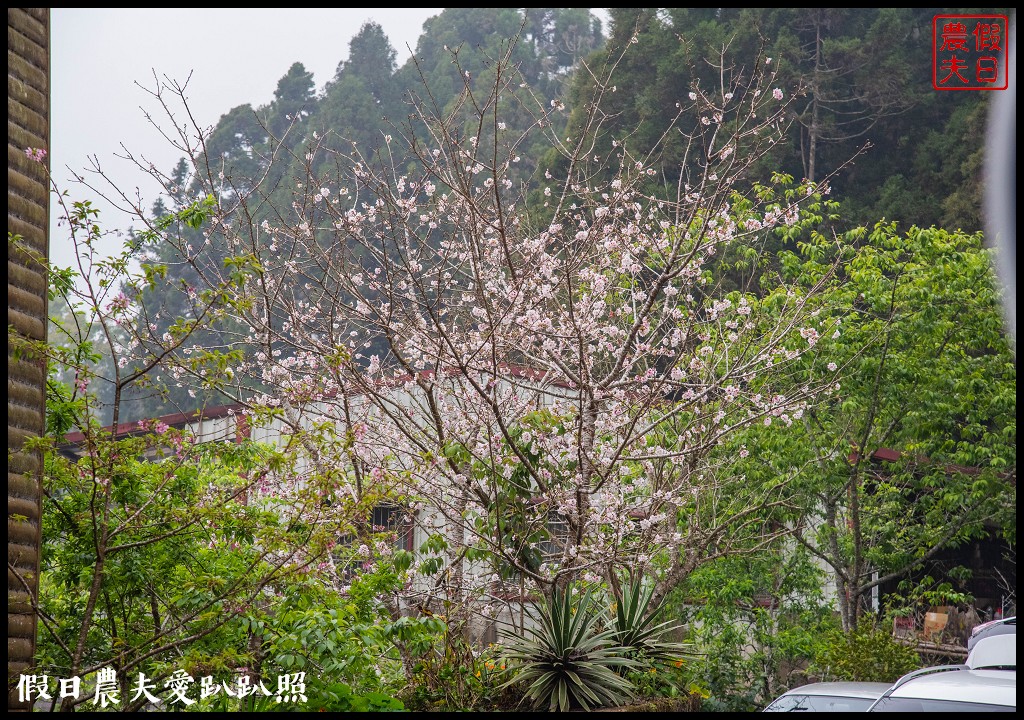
(161, 553)
(636, 629)
(868, 654)
(659, 661)
(911, 334)
(834, 59)
(339, 697)
(309, 628)
(913, 596)
(136, 542)
(753, 620)
(192, 216)
(570, 661)
(169, 566)
(451, 675)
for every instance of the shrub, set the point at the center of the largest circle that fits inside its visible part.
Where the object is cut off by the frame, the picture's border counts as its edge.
(636, 630)
(864, 654)
(570, 661)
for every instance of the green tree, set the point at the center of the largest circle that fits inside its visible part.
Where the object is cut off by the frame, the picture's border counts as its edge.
(372, 58)
(362, 98)
(924, 373)
(236, 149)
(859, 86)
(293, 98)
(755, 620)
(152, 549)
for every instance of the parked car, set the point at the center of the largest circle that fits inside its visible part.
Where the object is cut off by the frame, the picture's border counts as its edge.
(951, 688)
(998, 652)
(829, 697)
(1006, 626)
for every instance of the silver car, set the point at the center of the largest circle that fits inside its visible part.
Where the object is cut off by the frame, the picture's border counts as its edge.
(829, 697)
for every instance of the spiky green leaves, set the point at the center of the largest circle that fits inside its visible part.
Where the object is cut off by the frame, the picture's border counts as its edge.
(635, 627)
(570, 660)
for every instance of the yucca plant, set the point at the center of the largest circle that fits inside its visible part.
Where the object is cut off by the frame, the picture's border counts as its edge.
(636, 629)
(570, 659)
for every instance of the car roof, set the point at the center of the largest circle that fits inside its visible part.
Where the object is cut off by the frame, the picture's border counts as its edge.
(1006, 626)
(960, 684)
(996, 651)
(842, 689)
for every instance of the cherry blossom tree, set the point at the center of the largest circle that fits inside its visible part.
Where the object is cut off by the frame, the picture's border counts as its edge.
(547, 383)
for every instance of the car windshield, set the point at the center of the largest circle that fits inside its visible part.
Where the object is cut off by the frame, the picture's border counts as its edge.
(819, 703)
(893, 704)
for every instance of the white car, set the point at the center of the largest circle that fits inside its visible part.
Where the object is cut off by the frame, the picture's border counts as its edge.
(958, 688)
(997, 652)
(829, 697)
(1005, 626)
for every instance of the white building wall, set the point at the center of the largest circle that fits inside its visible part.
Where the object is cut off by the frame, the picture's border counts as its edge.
(427, 520)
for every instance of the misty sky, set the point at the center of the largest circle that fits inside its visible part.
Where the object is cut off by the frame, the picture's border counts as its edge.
(100, 56)
(234, 56)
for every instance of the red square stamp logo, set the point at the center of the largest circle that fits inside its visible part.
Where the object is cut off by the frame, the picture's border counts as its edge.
(969, 52)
